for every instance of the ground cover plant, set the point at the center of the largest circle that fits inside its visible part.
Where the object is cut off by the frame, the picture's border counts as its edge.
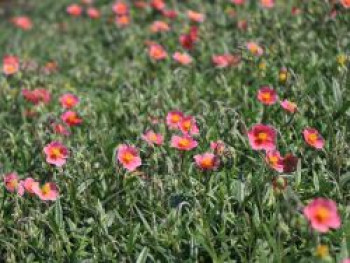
(175, 131)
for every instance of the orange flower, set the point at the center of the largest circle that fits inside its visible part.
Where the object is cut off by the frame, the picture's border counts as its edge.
(120, 8)
(207, 161)
(122, 21)
(157, 52)
(195, 16)
(345, 3)
(74, 10)
(182, 58)
(10, 65)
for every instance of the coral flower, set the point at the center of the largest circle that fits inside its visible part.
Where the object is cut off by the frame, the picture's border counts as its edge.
(48, 192)
(345, 3)
(195, 16)
(207, 161)
(274, 159)
(159, 26)
(22, 22)
(157, 4)
(322, 214)
(267, 3)
(93, 13)
(10, 65)
(50, 67)
(56, 153)
(262, 137)
(313, 138)
(129, 157)
(68, 100)
(255, 49)
(122, 21)
(173, 119)
(74, 10)
(59, 128)
(120, 8)
(188, 125)
(13, 184)
(37, 96)
(267, 96)
(185, 143)
(182, 58)
(289, 106)
(157, 52)
(187, 41)
(153, 138)
(71, 118)
(225, 60)
(238, 2)
(29, 185)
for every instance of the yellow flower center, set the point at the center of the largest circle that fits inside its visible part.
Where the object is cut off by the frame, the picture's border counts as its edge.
(184, 142)
(128, 157)
(313, 137)
(322, 214)
(45, 189)
(207, 162)
(262, 136)
(322, 251)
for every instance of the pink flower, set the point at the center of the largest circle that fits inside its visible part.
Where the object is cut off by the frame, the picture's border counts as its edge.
(313, 138)
(322, 214)
(207, 161)
(172, 14)
(173, 119)
(56, 153)
(218, 147)
(158, 4)
(159, 26)
(184, 143)
(120, 8)
(267, 3)
(48, 192)
(281, 164)
(37, 96)
(22, 22)
(10, 65)
(71, 118)
(188, 125)
(274, 159)
(254, 48)
(29, 185)
(93, 13)
(262, 137)
(59, 128)
(289, 106)
(129, 157)
(153, 138)
(74, 10)
(225, 60)
(347, 260)
(195, 16)
(68, 100)
(182, 58)
(13, 184)
(267, 96)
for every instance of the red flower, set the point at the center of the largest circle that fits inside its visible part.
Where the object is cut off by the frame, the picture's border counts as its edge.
(262, 137)
(187, 41)
(267, 96)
